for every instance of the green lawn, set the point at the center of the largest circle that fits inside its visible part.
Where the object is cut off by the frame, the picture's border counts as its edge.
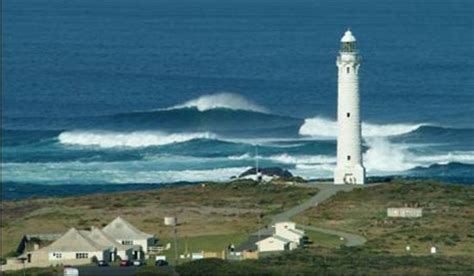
(214, 243)
(323, 239)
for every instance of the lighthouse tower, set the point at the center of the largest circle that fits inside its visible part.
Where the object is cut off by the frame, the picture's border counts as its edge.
(349, 169)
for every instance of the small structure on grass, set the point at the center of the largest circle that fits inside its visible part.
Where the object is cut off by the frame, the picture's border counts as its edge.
(285, 237)
(405, 212)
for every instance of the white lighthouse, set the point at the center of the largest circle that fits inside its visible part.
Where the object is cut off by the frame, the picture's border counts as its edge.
(349, 169)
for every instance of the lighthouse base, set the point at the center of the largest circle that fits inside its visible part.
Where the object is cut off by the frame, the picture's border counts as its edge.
(349, 175)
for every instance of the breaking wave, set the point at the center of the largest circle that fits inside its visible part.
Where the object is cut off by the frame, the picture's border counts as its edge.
(132, 139)
(301, 159)
(384, 156)
(321, 127)
(221, 100)
(110, 173)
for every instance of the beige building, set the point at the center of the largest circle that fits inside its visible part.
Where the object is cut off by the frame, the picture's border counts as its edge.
(275, 243)
(116, 249)
(285, 237)
(405, 212)
(288, 231)
(73, 248)
(76, 247)
(126, 234)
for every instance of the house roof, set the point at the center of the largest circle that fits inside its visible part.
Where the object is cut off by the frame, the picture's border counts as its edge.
(101, 238)
(250, 243)
(73, 241)
(297, 231)
(122, 229)
(276, 238)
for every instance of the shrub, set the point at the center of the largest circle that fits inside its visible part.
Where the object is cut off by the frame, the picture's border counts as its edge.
(211, 266)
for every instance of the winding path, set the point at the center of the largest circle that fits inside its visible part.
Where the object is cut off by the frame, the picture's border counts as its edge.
(325, 192)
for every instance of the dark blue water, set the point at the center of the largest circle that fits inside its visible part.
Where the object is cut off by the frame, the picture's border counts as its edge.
(151, 91)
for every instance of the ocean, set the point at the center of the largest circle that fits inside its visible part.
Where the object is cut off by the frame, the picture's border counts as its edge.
(157, 91)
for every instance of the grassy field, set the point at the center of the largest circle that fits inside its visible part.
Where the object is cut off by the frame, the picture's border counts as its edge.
(447, 222)
(212, 243)
(222, 212)
(214, 215)
(324, 240)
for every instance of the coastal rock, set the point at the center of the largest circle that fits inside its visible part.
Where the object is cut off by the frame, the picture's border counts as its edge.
(272, 172)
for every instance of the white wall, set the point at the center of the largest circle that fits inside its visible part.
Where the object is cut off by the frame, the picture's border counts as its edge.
(72, 255)
(282, 229)
(349, 127)
(270, 244)
(404, 212)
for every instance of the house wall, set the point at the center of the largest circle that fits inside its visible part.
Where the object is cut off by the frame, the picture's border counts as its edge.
(72, 255)
(143, 243)
(270, 244)
(250, 255)
(125, 254)
(43, 263)
(294, 237)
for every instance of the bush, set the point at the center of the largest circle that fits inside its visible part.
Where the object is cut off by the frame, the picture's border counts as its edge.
(219, 267)
(209, 266)
(153, 271)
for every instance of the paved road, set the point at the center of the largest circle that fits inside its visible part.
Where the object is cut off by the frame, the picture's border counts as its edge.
(326, 190)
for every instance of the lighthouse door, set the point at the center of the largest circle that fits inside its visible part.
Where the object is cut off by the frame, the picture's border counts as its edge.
(349, 178)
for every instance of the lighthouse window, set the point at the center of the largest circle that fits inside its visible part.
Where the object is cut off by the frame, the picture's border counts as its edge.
(348, 158)
(348, 114)
(348, 69)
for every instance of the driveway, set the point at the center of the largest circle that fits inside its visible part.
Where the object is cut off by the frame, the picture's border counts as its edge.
(326, 190)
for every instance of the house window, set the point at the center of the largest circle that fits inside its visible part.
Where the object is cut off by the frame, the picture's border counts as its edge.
(57, 255)
(82, 255)
(127, 242)
(348, 114)
(348, 158)
(348, 70)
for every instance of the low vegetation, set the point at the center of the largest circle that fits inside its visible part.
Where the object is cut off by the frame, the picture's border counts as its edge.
(214, 215)
(447, 222)
(214, 211)
(323, 261)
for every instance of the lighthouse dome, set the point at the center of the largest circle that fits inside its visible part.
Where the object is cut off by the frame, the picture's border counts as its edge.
(348, 37)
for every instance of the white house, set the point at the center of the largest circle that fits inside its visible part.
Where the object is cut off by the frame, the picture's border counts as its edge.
(70, 249)
(287, 230)
(125, 252)
(274, 243)
(126, 234)
(285, 237)
(76, 247)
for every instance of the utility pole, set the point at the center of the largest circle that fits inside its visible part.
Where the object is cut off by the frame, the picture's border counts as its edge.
(176, 257)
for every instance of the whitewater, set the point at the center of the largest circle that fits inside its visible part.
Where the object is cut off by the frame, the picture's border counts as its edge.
(139, 147)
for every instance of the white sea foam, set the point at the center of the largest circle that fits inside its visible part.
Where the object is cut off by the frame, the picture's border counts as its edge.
(221, 100)
(286, 158)
(245, 156)
(128, 139)
(466, 157)
(301, 159)
(321, 127)
(110, 172)
(383, 156)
